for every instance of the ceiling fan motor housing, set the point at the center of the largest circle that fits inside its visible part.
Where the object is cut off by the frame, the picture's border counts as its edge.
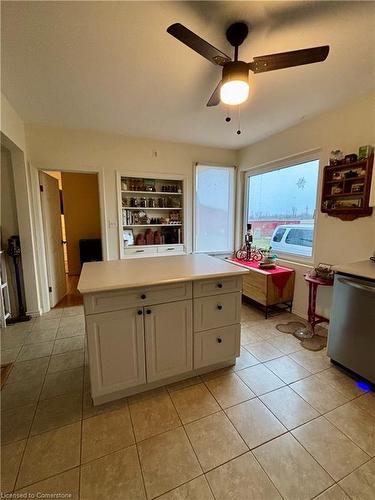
(235, 70)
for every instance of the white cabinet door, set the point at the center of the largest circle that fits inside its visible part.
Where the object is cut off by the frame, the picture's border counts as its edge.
(169, 339)
(116, 350)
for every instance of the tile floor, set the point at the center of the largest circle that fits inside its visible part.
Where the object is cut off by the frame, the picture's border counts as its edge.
(281, 423)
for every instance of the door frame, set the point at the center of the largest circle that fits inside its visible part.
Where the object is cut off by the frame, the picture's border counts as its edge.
(41, 256)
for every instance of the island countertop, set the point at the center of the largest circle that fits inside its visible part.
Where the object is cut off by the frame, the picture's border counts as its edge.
(362, 269)
(132, 273)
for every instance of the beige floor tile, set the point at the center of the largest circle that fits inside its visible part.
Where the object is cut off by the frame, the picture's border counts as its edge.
(215, 440)
(245, 360)
(147, 394)
(114, 477)
(65, 332)
(10, 340)
(53, 313)
(262, 329)
(66, 361)
(313, 361)
(68, 344)
(229, 390)
(319, 395)
(45, 323)
(250, 313)
(260, 379)
(357, 424)
(288, 370)
(9, 355)
(33, 351)
(292, 470)
(197, 489)
(38, 336)
(49, 454)
(11, 456)
(66, 483)
(16, 423)
(249, 335)
(89, 410)
(286, 343)
(264, 351)
(21, 393)
(333, 493)
(341, 382)
(255, 422)
(106, 433)
(57, 412)
(337, 454)
(74, 323)
(367, 403)
(289, 407)
(218, 373)
(64, 382)
(152, 416)
(72, 311)
(360, 484)
(167, 461)
(28, 370)
(194, 402)
(184, 383)
(241, 479)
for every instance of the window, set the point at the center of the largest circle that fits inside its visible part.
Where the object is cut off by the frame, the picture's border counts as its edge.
(214, 209)
(281, 207)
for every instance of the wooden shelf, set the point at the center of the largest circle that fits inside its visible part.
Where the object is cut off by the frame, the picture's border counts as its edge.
(347, 213)
(152, 192)
(151, 208)
(152, 225)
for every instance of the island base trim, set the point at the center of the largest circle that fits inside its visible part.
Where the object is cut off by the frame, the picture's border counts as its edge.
(131, 391)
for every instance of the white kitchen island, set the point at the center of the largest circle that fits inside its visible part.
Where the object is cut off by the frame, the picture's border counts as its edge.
(155, 321)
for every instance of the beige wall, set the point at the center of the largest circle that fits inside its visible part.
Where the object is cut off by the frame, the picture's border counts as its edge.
(81, 213)
(347, 128)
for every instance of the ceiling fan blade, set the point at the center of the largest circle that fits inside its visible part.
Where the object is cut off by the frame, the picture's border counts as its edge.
(289, 59)
(197, 43)
(214, 100)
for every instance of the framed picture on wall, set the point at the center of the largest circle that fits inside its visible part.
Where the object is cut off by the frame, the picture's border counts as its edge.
(128, 237)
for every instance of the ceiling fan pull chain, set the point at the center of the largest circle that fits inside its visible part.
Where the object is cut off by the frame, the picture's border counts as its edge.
(228, 117)
(239, 120)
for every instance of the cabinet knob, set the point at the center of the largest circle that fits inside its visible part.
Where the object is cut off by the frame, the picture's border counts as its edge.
(140, 312)
(143, 296)
(220, 285)
(219, 306)
(219, 340)
(148, 311)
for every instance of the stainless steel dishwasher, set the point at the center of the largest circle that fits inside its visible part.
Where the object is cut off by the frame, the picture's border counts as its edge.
(351, 339)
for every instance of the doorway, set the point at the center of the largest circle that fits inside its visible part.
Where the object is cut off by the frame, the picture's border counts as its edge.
(72, 230)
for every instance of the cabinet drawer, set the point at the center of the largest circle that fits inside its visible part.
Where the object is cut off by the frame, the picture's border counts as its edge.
(215, 346)
(217, 311)
(139, 252)
(171, 250)
(143, 296)
(217, 286)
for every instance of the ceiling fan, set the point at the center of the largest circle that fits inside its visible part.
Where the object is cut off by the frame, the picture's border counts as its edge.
(233, 89)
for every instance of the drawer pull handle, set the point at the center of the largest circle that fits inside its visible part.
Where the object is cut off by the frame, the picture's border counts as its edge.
(220, 307)
(219, 340)
(143, 296)
(170, 249)
(148, 311)
(140, 312)
(220, 285)
(139, 251)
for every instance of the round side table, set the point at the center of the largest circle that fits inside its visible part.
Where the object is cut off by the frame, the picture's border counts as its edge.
(312, 317)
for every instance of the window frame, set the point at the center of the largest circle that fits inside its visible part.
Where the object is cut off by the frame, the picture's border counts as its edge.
(234, 206)
(290, 161)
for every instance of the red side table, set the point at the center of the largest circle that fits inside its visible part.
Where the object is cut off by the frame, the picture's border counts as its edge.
(312, 317)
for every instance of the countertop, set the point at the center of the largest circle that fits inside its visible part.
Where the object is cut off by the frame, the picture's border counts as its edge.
(131, 273)
(362, 269)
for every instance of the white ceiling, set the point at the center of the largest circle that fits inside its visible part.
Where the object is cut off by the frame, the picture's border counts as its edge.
(111, 66)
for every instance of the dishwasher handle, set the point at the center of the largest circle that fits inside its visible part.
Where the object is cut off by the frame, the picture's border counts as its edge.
(355, 284)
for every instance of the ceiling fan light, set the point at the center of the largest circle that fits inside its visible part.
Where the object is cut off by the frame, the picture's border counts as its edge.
(234, 92)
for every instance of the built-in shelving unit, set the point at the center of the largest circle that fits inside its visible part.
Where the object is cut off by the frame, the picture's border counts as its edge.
(151, 216)
(346, 189)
